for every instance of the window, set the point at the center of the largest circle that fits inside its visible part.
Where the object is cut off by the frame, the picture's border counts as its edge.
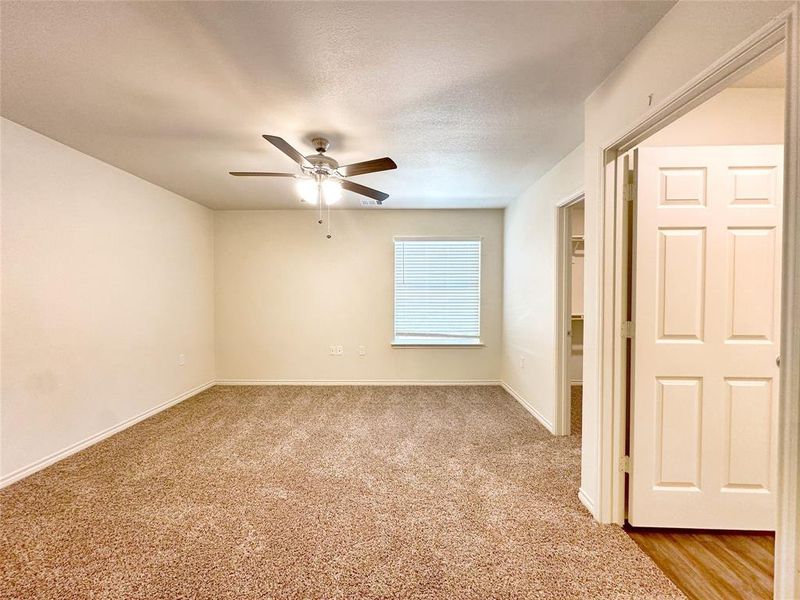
(437, 291)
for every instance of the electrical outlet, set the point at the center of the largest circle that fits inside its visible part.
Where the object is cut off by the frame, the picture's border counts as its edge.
(362, 350)
(181, 359)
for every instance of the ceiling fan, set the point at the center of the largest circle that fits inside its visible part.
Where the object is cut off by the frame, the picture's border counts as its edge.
(321, 178)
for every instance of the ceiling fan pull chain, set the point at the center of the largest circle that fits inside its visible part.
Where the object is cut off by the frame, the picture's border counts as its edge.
(319, 202)
(329, 222)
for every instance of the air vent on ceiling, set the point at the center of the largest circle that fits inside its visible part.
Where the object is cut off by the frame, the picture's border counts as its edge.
(368, 202)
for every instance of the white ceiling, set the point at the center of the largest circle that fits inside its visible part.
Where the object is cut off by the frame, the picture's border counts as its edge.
(473, 101)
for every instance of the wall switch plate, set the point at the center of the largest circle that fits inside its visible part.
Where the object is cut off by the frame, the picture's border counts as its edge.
(362, 350)
(332, 350)
(181, 359)
(339, 350)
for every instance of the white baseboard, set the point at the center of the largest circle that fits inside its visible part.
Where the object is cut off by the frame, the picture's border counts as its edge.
(587, 502)
(93, 439)
(539, 416)
(357, 382)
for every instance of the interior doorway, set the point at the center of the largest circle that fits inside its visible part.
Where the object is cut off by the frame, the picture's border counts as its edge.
(570, 314)
(703, 237)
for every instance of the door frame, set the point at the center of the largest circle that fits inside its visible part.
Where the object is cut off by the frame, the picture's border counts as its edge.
(564, 310)
(783, 32)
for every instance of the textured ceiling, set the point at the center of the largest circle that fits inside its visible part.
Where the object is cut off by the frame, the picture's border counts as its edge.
(473, 101)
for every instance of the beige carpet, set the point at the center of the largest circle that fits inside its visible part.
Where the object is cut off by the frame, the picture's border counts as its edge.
(576, 409)
(311, 492)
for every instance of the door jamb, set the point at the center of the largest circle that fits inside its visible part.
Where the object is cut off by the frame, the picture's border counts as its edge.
(563, 289)
(782, 31)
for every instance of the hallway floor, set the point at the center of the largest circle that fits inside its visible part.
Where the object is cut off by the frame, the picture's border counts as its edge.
(713, 565)
(312, 492)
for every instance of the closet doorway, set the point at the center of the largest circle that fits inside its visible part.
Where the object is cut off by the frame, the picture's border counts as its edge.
(570, 286)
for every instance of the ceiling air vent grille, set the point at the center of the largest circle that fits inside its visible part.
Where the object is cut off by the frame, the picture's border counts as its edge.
(368, 202)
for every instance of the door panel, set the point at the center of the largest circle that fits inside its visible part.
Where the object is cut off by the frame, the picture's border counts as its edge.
(681, 284)
(750, 305)
(706, 321)
(748, 433)
(678, 415)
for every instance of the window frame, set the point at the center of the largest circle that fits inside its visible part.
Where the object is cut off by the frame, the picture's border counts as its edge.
(434, 342)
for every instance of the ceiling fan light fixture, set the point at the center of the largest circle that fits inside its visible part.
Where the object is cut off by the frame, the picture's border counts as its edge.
(331, 191)
(321, 178)
(308, 190)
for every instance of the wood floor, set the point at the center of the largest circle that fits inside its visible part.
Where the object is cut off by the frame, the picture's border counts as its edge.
(711, 565)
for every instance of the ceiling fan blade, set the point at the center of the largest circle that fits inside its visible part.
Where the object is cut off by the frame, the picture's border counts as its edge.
(260, 174)
(368, 166)
(282, 145)
(364, 191)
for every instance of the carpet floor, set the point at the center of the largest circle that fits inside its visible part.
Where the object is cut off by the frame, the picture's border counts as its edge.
(320, 492)
(576, 409)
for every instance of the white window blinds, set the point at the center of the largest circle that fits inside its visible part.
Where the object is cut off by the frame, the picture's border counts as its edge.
(437, 290)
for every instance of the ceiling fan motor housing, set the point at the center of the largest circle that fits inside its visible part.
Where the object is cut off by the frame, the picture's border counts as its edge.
(322, 164)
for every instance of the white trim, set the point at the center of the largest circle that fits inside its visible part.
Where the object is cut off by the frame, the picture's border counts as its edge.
(97, 437)
(587, 502)
(539, 416)
(563, 301)
(367, 382)
(435, 343)
(573, 198)
(438, 238)
(787, 541)
(784, 29)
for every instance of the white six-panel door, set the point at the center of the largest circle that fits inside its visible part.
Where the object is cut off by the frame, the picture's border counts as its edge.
(706, 322)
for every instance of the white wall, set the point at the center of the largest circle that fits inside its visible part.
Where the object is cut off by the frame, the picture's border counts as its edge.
(687, 40)
(529, 322)
(106, 279)
(735, 116)
(285, 293)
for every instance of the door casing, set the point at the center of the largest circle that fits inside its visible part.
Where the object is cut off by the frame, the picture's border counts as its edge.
(563, 311)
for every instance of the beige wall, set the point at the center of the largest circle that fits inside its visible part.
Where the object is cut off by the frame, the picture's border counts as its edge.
(687, 40)
(106, 279)
(735, 116)
(529, 322)
(284, 294)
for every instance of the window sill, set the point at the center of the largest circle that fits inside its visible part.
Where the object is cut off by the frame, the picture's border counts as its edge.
(421, 343)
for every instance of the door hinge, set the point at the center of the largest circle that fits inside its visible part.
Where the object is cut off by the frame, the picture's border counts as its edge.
(625, 464)
(630, 185)
(627, 329)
